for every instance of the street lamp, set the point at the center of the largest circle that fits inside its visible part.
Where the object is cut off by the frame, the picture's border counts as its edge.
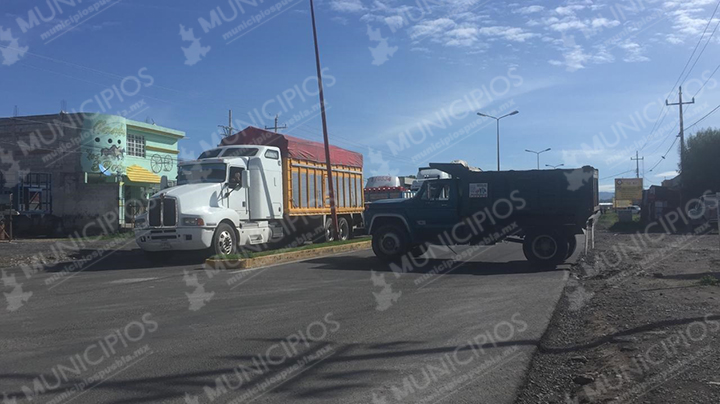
(538, 153)
(555, 167)
(498, 131)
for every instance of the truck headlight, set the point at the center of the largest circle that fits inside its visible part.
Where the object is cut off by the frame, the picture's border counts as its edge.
(193, 221)
(140, 222)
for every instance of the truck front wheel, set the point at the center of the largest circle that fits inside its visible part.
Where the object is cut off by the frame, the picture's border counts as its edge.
(545, 247)
(389, 242)
(224, 240)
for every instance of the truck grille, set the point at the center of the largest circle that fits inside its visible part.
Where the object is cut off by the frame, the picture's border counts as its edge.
(162, 212)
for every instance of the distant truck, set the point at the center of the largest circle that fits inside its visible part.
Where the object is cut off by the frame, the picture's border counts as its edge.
(257, 187)
(385, 187)
(543, 209)
(424, 174)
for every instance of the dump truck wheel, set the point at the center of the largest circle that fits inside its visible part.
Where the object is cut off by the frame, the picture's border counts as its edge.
(545, 247)
(224, 240)
(389, 242)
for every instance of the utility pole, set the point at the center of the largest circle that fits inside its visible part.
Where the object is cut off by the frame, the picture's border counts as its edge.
(637, 164)
(229, 128)
(331, 187)
(276, 127)
(682, 128)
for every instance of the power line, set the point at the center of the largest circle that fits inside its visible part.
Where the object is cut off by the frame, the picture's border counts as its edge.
(703, 49)
(683, 71)
(668, 136)
(706, 115)
(696, 47)
(664, 155)
(706, 81)
(618, 174)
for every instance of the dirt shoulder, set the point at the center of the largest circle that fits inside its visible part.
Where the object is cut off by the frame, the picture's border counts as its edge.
(639, 322)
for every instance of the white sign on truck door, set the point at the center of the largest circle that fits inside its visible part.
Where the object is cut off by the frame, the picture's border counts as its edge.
(479, 190)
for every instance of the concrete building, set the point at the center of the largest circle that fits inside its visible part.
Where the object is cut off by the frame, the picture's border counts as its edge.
(82, 172)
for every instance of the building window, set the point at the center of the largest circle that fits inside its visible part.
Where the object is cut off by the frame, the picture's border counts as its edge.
(136, 145)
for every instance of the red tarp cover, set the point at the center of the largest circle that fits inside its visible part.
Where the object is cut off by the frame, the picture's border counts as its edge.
(294, 147)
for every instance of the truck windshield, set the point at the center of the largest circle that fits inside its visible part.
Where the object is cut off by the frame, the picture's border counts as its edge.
(198, 173)
(209, 154)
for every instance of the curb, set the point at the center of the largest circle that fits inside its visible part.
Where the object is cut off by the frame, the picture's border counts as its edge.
(249, 263)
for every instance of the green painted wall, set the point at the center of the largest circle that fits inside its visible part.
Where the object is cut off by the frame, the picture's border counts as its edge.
(104, 143)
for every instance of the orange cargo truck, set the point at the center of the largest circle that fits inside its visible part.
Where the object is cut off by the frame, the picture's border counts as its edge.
(304, 178)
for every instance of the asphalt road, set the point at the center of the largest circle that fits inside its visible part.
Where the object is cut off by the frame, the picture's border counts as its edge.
(343, 328)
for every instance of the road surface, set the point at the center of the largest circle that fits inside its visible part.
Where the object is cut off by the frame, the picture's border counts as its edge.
(344, 328)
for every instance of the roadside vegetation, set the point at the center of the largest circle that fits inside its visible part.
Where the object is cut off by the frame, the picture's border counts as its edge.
(609, 221)
(709, 280)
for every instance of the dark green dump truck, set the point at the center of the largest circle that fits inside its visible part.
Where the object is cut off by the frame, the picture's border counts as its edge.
(543, 209)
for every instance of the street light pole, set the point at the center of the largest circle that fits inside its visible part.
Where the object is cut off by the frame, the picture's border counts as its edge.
(497, 120)
(554, 167)
(538, 153)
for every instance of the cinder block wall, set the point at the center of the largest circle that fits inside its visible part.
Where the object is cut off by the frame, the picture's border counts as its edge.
(51, 144)
(86, 208)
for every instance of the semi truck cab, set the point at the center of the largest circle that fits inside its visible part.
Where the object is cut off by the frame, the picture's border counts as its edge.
(230, 196)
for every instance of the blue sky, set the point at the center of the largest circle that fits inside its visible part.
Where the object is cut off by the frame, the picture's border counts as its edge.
(404, 79)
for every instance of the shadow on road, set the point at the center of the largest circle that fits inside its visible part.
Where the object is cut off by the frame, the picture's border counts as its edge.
(324, 377)
(427, 266)
(124, 259)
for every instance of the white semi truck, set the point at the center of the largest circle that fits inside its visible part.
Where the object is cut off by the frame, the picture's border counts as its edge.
(257, 187)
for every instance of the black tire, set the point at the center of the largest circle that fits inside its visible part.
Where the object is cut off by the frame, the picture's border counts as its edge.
(545, 247)
(344, 229)
(328, 232)
(224, 240)
(572, 245)
(390, 242)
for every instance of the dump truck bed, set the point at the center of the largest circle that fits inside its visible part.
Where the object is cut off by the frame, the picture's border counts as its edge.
(565, 197)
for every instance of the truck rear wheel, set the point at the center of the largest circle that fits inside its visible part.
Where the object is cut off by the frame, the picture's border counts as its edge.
(343, 229)
(224, 240)
(389, 242)
(545, 247)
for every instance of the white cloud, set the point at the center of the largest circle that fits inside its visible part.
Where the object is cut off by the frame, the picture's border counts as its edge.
(432, 28)
(567, 25)
(509, 33)
(347, 6)
(529, 10)
(667, 174)
(604, 23)
(633, 52)
(394, 22)
(569, 10)
(574, 59)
